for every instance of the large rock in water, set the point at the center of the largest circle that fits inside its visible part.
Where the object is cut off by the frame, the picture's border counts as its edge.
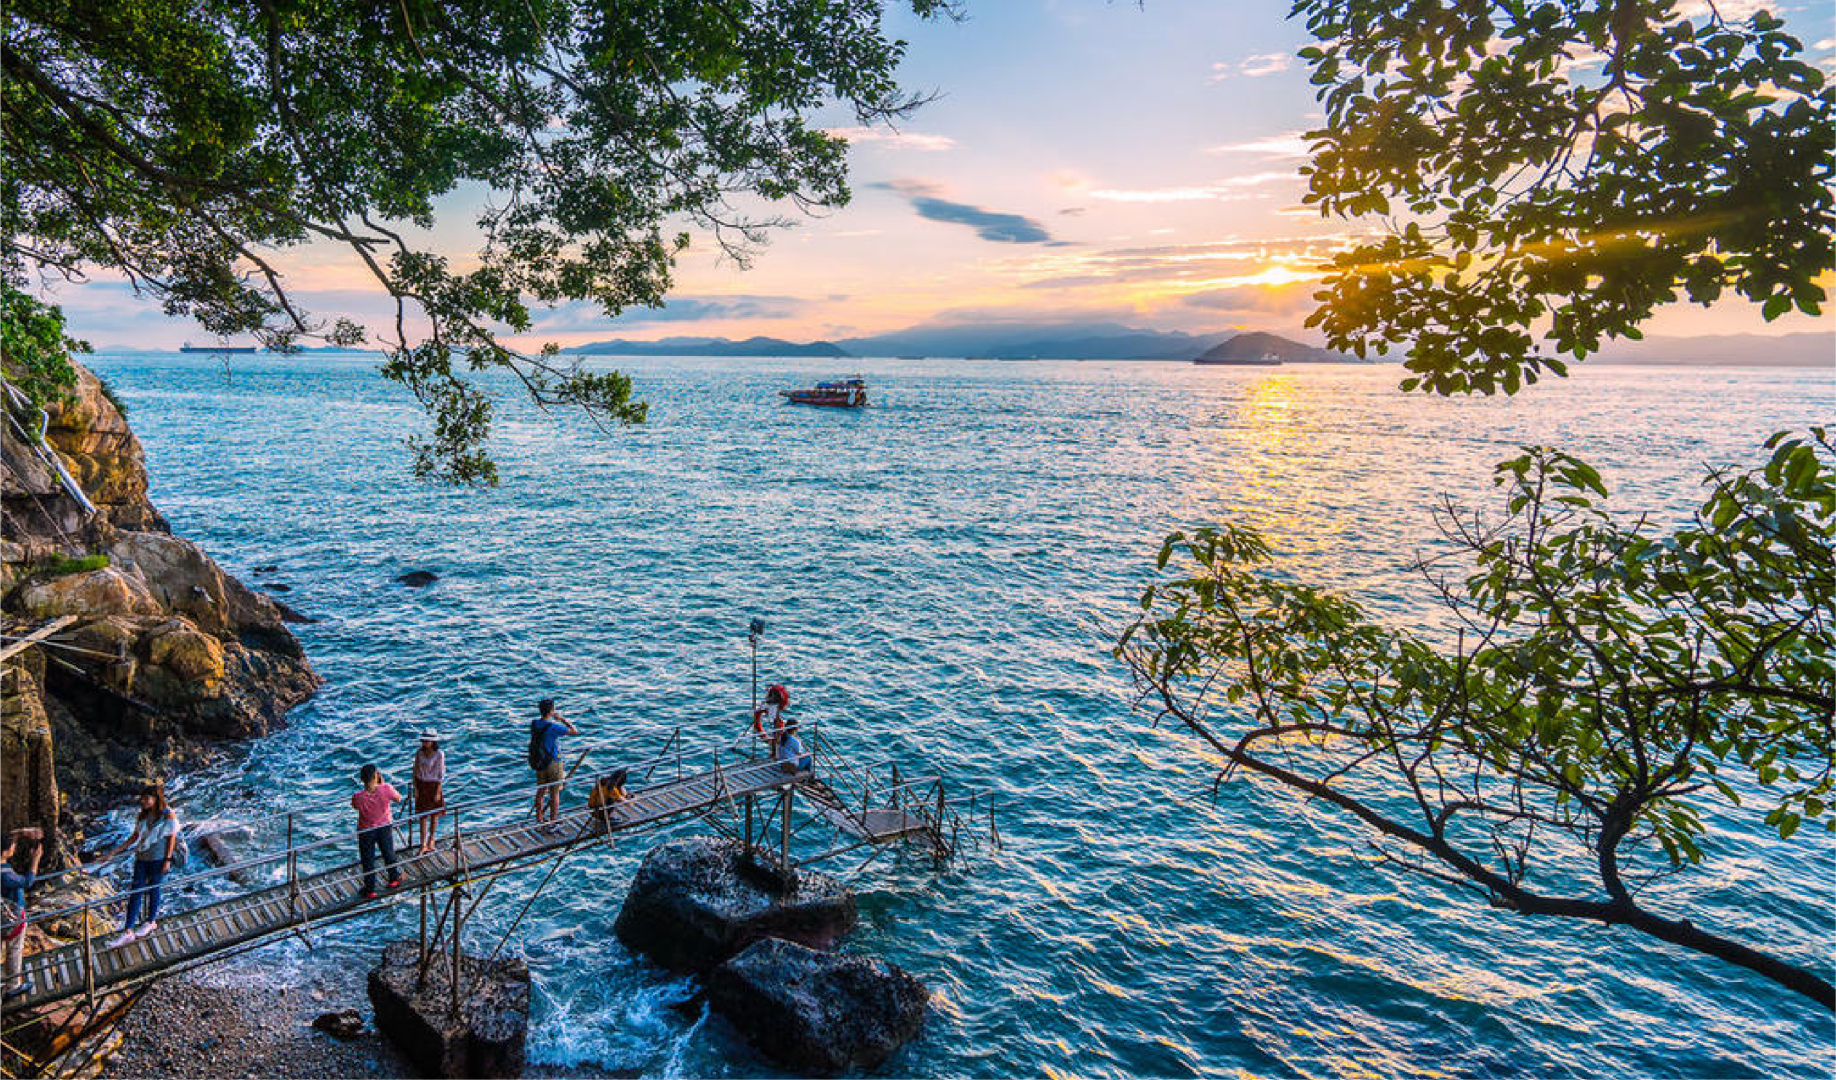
(484, 1040)
(815, 1012)
(694, 903)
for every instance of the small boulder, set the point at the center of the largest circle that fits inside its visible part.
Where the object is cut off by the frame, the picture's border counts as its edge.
(486, 1038)
(818, 1013)
(346, 1024)
(417, 579)
(694, 903)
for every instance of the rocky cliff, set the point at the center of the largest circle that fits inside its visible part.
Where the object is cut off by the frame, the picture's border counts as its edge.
(165, 652)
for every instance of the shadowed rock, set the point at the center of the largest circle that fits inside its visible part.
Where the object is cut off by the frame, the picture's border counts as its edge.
(815, 1012)
(694, 903)
(417, 579)
(484, 1040)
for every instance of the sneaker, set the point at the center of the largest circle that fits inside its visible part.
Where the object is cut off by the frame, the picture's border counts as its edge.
(24, 986)
(146, 928)
(122, 939)
(370, 894)
(394, 882)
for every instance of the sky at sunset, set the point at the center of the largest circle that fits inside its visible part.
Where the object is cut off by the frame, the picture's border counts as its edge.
(1086, 161)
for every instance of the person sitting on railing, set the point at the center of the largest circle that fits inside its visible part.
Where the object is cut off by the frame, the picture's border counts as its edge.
(789, 752)
(608, 792)
(154, 840)
(13, 886)
(768, 719)
(429, 787)
(545, 733)
(375, 806)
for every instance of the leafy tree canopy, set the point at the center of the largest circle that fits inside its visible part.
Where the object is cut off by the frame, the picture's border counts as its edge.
(1550, 173)
(1612, 687)
(182, 142)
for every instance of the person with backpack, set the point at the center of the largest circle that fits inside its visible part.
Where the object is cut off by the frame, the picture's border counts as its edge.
(13, 886)
(375, 806)
(545, 733)
(155, 841)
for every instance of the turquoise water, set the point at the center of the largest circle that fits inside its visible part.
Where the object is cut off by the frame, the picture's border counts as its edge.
(942, 574)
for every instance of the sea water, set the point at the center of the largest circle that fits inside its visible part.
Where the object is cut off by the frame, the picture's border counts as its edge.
(942, 575)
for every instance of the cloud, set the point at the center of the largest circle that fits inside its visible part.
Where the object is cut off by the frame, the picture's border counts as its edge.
(893, 139)
(1251, 67)
(1228, 189)
(1289, 144)
(1284, 299)
(584, 315)
(991, 225)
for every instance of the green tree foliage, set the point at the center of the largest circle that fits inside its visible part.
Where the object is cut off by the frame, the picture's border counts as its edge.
(1611, 687)
(180, 143)
(34, 350)
(1550, 173)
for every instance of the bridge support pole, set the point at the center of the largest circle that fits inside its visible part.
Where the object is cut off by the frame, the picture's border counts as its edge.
(458, 956)
(293, 874)
(89, 962)
(420, 979)
(749, 823)
(784, 835)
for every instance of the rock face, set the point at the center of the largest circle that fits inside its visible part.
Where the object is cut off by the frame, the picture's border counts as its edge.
(485, 1040)
(694, 903)
(815, 1012)
(173, 651)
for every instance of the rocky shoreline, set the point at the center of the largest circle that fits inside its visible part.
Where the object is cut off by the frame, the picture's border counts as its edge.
(253, 1018)
(163, 656)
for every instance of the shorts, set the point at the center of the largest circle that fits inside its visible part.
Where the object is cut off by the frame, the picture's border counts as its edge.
(428, 795)
(550, 773)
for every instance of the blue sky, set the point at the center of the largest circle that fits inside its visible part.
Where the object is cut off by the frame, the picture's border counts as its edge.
(1086, 160)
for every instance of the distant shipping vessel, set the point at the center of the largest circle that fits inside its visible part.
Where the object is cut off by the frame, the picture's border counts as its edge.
(189, 347)
(841, 394)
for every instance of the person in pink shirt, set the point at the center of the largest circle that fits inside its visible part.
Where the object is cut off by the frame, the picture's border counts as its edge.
(375, 806)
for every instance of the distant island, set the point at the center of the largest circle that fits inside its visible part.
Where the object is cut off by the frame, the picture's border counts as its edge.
(1001, 341)
(706, 346)
(1258, 347)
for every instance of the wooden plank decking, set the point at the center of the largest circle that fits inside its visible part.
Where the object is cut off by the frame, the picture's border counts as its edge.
(189, 936)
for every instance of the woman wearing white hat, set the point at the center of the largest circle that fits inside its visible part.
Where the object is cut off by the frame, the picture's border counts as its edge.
(429, 786)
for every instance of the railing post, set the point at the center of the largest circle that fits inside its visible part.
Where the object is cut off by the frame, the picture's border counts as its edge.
(89, 960)
(453, 976)
(293, 873)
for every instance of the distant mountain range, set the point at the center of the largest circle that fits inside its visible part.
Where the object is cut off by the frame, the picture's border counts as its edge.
(1050, 341)
(1811, 349)
(710, 346)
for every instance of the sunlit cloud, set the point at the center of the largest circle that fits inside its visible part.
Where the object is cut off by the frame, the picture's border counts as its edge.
(1229, 189)
(1290, 144)
(893, 139)
(991, 225)
(1251, 67)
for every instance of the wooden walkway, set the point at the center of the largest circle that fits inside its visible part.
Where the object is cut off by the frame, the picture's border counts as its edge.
(873, 826)
(188, 937)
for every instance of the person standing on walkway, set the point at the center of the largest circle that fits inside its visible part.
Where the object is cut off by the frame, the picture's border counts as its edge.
(154, 840)
(13, 886)
(429, 787)
(545, 733)
(768, 718)
(375, 806)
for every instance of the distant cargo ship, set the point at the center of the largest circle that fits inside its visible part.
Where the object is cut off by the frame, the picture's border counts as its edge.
(189, 347)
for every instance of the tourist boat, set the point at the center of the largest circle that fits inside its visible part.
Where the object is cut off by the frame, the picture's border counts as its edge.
(841, 394)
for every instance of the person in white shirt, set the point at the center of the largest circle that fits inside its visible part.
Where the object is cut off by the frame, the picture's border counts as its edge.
(154, 840)
(429, 787)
